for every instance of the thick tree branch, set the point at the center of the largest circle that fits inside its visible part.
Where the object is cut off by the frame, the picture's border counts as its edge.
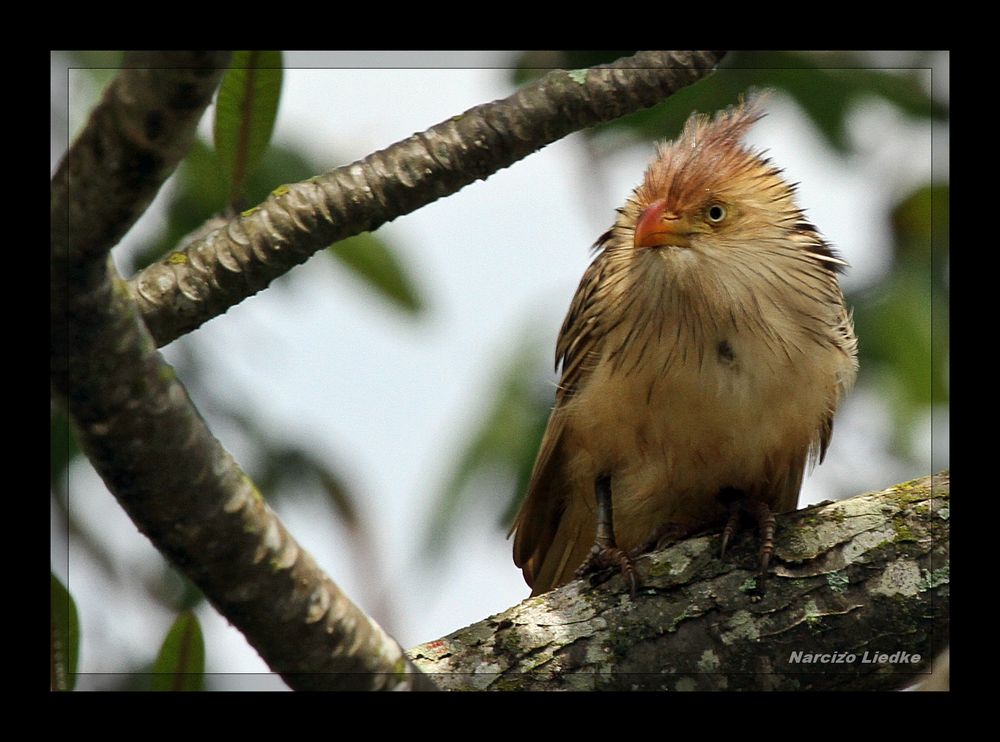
(140, 430)
(142, 128)
(191, 286)
(852, 581)
(133, 141)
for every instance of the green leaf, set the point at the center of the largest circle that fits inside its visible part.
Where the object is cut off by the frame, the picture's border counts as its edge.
(245, 110)
(64, 647)
(375, 263)
(181, 662)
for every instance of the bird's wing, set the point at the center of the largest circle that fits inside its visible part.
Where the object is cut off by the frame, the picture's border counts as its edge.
(785, 486)
(577, 349)
(846, 341)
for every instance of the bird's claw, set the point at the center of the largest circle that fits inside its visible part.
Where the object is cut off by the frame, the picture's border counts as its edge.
(737, 504)
(599, 563)
(732, 526)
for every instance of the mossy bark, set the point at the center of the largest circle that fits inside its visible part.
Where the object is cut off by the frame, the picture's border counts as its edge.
(853, 585)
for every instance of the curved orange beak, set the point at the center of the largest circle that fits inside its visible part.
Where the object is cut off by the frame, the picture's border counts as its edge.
(658, 227)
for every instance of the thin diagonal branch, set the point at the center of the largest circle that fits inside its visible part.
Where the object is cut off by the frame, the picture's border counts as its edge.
(143, 435)
(202, 281)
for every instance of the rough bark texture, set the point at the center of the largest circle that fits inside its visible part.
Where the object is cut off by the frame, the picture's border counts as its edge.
(132, 142)
(134, 139)
(206, 278)
(136, 423)
(851, 581)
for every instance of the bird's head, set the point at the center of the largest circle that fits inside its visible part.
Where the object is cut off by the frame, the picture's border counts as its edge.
(707, 189)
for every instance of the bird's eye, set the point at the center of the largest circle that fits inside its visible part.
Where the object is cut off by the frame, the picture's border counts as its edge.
(716, 213)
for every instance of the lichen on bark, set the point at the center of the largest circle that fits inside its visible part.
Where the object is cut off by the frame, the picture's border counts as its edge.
(845, 589)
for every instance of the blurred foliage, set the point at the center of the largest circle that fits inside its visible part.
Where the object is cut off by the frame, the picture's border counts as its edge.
(902, 320)
(894, 318)
(180, 665)
(283, 469)
(171, 589)
(825, 85)
(371, 258)
(506, 440)
(245, 109)
(64, 636)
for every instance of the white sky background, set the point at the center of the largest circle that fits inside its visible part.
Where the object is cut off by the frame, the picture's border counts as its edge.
(390, 400)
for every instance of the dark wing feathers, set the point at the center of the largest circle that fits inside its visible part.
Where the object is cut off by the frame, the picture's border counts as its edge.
(538, 520)
(581, 331)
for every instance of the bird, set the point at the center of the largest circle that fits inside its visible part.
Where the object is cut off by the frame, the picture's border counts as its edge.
(703, 357)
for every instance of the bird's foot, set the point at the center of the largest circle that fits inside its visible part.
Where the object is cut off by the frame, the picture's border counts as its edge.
(605, 553)
(599, 564)
(739, 504)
